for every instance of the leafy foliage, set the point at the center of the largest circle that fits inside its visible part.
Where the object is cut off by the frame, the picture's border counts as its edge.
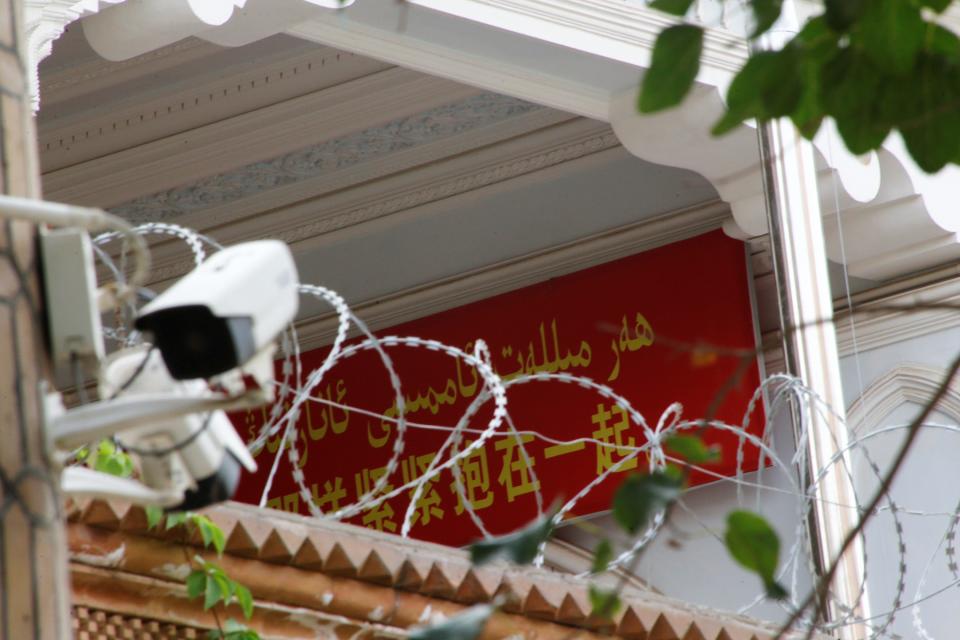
(210, 581)
(233, 630)
(604, 602)
(107, 458)
(602, 557)
(754, 544)
(874, 66)
(674, 7)
(693, 449)
(465, 626)
(641, 496)
(154, 515)
(520, 546)
(674, 67)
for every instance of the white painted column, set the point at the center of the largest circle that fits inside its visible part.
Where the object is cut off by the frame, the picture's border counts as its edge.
(800, 261)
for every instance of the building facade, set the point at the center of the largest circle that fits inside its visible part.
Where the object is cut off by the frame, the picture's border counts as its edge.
(420, 156)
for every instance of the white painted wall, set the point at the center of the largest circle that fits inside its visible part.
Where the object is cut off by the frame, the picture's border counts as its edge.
(926, 491)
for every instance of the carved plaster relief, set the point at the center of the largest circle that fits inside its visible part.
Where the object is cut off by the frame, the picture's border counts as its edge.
(404, 133)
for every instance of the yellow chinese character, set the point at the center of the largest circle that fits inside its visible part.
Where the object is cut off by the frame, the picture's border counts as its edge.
(379, 517)
(612, 435)
(429, 503)
(333, 493)
(291, 502)
(475, 477)
(514, 472)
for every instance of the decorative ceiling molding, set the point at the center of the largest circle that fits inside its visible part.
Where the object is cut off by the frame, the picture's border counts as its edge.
(267, 132)
(375, 202)
(521, 271)
(401, 134)
(878, 330)
(69, 80)
(443, 62)
(132, 121)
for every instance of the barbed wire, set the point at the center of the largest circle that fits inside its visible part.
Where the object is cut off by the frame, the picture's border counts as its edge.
(780, 394)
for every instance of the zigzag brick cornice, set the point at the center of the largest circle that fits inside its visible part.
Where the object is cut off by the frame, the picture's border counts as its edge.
(347, 573)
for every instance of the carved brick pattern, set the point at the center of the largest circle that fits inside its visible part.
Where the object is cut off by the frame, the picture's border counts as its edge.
(405, 133)
(349, 554)
(96, 624)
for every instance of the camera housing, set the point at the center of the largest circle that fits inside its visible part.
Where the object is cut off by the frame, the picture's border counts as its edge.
(225, 311)
(219, 321)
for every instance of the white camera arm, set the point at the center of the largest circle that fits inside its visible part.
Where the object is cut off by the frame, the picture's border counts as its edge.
(86, 483)
(68, 430)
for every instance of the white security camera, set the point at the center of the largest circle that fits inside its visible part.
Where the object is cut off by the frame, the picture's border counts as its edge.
(221, 318)
(199, 454)
(225, 311)
(190, 455)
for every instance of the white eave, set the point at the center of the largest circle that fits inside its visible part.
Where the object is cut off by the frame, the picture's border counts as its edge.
(584, 57)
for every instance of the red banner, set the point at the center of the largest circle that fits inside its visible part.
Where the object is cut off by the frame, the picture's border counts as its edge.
(620, 323)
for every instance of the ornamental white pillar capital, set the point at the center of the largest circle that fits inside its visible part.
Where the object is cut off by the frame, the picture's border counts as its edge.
(43, 22)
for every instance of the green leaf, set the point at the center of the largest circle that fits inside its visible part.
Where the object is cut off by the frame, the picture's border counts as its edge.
(674, 67)
(109, 459)
(244, 599)
(937, 5)
(176, 518)
(218, 538)
(233, 630)
(604, 602)
(931, 129)
(673, 7)
(849, 86)
(520, 546)
(693, 449)
(213, 592)
(209, 532)
(891, 33)
(841, 14)
(765, 13)
(755, 545)
(226, 586)
(196, 583)
(745, 95)
(154, 515)
(464, 626)
(640, 497)
(943, 42)
(768, 86)
(201, 523)
(602, 556)
(816, 40)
